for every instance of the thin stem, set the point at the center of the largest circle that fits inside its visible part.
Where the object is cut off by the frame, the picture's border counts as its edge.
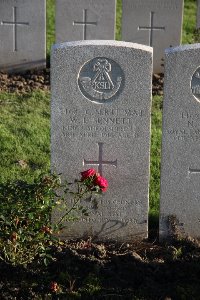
(68, 211)
(74, 205)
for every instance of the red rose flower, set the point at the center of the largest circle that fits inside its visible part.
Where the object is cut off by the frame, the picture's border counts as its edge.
(87, 173)
(102, 183)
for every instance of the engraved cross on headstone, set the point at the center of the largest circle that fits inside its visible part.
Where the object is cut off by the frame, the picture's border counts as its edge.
(84, 23)
(14, 23)
(100, 162)
(151, 28)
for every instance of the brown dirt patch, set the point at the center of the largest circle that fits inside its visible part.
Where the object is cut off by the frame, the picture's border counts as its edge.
(87, 270)
(26, 82)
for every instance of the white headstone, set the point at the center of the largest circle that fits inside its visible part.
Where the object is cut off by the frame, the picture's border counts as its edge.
(156, 23)
(22, 34)
(101, 99)
(85, 20)
(180, 165)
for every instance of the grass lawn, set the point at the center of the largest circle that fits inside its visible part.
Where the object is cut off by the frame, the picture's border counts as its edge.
(24, 135)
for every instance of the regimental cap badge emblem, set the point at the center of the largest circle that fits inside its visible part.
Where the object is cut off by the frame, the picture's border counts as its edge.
(195, 84)
(101, 80)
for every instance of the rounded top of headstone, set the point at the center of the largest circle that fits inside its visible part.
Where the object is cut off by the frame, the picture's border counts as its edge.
(181, 48)
(103, 43)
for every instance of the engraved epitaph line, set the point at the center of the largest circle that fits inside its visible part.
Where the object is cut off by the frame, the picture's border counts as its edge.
(14, 23)
(151, 28)
(100, 162)
(84, 23)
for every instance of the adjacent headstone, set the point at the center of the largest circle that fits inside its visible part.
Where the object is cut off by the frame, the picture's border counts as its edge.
(101, 98)
(156, 23)
(22, 34)
(85, 20)
(180, 166)
(198, 14)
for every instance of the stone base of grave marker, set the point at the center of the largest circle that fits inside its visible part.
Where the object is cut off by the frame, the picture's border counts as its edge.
(101, 98)
(22, 35)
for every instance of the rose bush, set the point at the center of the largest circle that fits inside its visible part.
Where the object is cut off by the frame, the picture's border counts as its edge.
(26, 230)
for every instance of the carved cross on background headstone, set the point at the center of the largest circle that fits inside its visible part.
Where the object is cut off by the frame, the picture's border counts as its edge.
(194, 171)
(14, 24)
(100, 162)
(151, 28)
(84, 23)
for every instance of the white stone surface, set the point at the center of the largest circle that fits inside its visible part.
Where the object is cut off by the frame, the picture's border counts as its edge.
(100, 118)
(180, 164)
(85, 20)
(22, 34)
(156, 23)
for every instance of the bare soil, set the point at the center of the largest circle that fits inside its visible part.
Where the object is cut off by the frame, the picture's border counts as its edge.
(26, 82)
(88, 270)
